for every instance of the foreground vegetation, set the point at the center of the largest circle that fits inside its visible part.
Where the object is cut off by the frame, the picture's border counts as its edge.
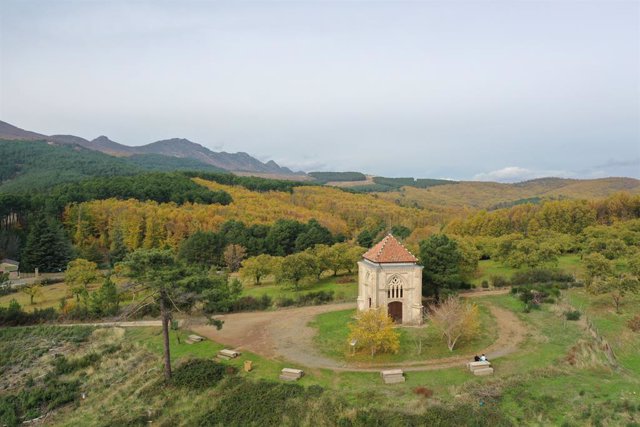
(559, 375)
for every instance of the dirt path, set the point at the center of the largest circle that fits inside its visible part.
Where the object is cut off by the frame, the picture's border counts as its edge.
(285, 334)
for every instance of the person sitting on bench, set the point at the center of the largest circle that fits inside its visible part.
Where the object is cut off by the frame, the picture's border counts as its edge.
(483, 358)
(476, 358)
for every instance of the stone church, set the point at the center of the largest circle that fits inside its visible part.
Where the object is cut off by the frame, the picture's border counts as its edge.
(389, 276)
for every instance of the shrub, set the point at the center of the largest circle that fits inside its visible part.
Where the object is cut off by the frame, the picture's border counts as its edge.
(485, 284)
(251, 304)
(540, 275)
(13, 315)
(62, 365)
(572, 315)
(32, 402)
(284, 302)
(634, 323)
(499, 282)
(260, 403)
(310, 298)
(315, 298)
(423, 391)
(200, 373)
(345, 279)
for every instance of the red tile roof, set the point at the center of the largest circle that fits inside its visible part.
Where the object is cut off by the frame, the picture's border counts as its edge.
(389, 250)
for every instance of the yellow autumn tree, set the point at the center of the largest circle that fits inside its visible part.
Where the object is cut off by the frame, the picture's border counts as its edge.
(456, 320)
(373, 332)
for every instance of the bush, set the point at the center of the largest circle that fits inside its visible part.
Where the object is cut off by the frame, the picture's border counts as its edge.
(310, 298)
(62, 365)
(200, 373)
(32, 402)
(314, 298)
(14, 315)
(284, 302)
(345, 279)
(423, 391)
(260, 403)
(540, 275)
(485, 284)
(634, 323)
(252, 304)
(572, 315)
(499, 282)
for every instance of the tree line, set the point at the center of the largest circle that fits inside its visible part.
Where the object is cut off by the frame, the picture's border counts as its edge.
(561, 216)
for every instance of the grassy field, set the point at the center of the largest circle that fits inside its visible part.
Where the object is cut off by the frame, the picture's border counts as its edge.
(487, 268)
(51, 297)
(611, 325)
(341, 291)
(333, 332)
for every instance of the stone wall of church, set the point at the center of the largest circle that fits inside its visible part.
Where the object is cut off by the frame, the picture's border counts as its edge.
(382, 284)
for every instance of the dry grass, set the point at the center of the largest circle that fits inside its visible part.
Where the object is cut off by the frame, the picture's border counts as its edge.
(51, 296)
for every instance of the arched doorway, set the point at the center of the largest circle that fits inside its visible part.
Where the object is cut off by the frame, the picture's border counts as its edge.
(395, 311)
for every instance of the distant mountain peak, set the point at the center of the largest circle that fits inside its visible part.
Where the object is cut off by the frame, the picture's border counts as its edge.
(172, 147)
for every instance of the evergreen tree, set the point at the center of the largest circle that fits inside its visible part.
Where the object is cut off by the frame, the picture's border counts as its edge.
(315, 234)
(105, 301)
(47, 247)
(442, 260)
(118, 250)
(203, 248)
(281, 239)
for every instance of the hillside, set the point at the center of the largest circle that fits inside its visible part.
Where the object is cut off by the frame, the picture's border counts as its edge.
(176, 147)
(339, 211)
(491, 195)
(35, 165)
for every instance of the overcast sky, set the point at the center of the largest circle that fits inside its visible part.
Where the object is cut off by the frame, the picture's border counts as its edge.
(486, 90)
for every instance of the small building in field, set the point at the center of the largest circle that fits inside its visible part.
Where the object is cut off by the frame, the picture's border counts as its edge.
(389, 276)
(10, 266)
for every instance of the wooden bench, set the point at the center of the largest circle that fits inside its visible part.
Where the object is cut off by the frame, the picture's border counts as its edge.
(392, 376)
(290, 374)
(228, 354)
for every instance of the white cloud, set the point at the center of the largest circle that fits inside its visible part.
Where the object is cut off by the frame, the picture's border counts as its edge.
(517, 174)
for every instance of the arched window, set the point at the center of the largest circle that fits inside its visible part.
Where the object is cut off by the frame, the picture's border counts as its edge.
(394, 288)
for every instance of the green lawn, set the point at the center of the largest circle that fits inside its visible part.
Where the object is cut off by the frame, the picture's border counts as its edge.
(488, 268)
(341, 291)
(333, 332)
(50, 297)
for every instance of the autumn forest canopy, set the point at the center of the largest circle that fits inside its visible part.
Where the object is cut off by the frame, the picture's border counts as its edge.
(101, 208)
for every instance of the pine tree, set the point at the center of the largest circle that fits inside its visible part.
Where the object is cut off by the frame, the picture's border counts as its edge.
(118, 250)
(47, 247)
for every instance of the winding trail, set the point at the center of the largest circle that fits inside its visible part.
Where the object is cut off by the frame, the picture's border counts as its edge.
(285, 334)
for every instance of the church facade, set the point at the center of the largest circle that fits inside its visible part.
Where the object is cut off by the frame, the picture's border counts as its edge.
(389, 277)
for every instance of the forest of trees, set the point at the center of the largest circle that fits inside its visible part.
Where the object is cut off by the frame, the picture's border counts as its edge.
(37, 165)
(116, 209)
(564, 216)
(324, 177)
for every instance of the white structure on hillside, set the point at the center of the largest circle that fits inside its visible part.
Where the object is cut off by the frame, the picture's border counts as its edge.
(389, 276)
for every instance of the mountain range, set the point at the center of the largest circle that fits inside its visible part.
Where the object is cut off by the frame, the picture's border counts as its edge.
(175, 147)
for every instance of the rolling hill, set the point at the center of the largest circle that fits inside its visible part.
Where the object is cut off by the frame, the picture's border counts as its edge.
(493, 195)
(176, 147)
(35, 165)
